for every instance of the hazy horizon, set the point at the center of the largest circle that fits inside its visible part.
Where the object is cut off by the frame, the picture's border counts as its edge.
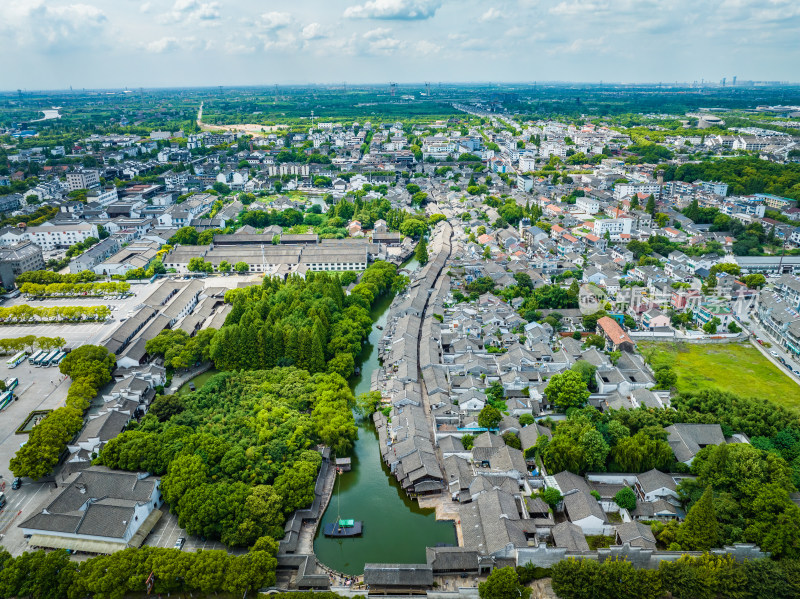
(112, 44)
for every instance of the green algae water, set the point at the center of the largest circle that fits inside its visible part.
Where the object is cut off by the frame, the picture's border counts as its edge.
(396, 530)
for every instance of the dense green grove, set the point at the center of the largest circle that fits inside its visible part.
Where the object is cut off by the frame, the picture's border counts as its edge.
(53, 575)
(90, 368)
(238, 455)
(706, 577)
(179, 350)
(744, 176)
(308, 323)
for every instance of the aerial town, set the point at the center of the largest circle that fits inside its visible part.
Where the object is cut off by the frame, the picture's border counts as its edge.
(405, 298)
(545, 342)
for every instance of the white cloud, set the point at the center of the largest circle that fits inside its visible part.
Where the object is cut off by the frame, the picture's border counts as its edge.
(274, 20)
(425, 47)
(377, 33)
(313, 31)
(171, 44)
(576, 8)
(191, 10)
(491, 15)
(407, 10)
(386, 45)
(31, 22)
(595, 45)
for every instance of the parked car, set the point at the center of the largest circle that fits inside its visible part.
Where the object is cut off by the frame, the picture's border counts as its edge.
(179, 543)
(773, 353)
(760, 341)
(17, 483)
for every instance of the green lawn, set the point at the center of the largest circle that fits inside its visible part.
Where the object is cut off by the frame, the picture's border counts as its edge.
(739, 368)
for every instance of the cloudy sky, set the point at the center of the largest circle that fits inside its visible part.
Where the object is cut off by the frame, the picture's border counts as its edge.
(53, 44)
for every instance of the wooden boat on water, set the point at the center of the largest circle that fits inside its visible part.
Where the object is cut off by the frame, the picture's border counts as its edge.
(344, 528)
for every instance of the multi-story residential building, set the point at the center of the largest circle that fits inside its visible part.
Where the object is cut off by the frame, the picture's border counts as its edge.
(9, 202)
(588, 205)
(17, 259)
(626, 190)
(176, 181)
(780, 320)
(524, 183)
(613, 226)
(774, 201)
(438, 147)
(49, 236)
(82, 179)
(527, 162)
(707, 312)
(715, 187)
(789, 287)
(102, 196)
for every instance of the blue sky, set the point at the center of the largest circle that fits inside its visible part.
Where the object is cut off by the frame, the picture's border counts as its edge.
(112, 43)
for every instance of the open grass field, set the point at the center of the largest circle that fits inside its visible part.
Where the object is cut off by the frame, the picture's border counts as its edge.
(734, 367)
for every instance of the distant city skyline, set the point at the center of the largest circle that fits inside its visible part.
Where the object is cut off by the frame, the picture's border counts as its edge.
(56, 44)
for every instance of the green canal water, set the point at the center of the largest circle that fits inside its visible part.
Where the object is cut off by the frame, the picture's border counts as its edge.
(396, 530)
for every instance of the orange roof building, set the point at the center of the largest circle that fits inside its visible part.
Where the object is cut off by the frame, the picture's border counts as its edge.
(614, 334)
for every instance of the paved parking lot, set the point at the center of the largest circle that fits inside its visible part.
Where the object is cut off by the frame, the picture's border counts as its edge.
(77, 334)
(39, 389)
(44, 389)
(167, 531)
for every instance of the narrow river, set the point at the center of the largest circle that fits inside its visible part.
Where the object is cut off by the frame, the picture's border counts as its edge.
(396, 530)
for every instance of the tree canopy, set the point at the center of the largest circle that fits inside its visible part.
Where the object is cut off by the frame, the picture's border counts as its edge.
(238, 454)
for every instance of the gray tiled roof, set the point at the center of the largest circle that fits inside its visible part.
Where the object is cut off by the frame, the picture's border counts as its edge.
(687, 439)
(655, 479)
(637, 534)
(402, 575)
(98, 483)
(569, 536)
(492, 522)
(53, 522)
(567, 481)
(105, 427)
(106, 520)
(449, 559)
(582, 505)
(111, 497)
(450, 444)
(647, 509)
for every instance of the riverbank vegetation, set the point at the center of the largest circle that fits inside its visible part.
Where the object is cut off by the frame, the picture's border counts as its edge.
(238, 455)
(309, 323)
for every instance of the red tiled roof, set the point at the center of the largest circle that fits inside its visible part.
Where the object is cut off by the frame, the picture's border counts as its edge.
(613, 331)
